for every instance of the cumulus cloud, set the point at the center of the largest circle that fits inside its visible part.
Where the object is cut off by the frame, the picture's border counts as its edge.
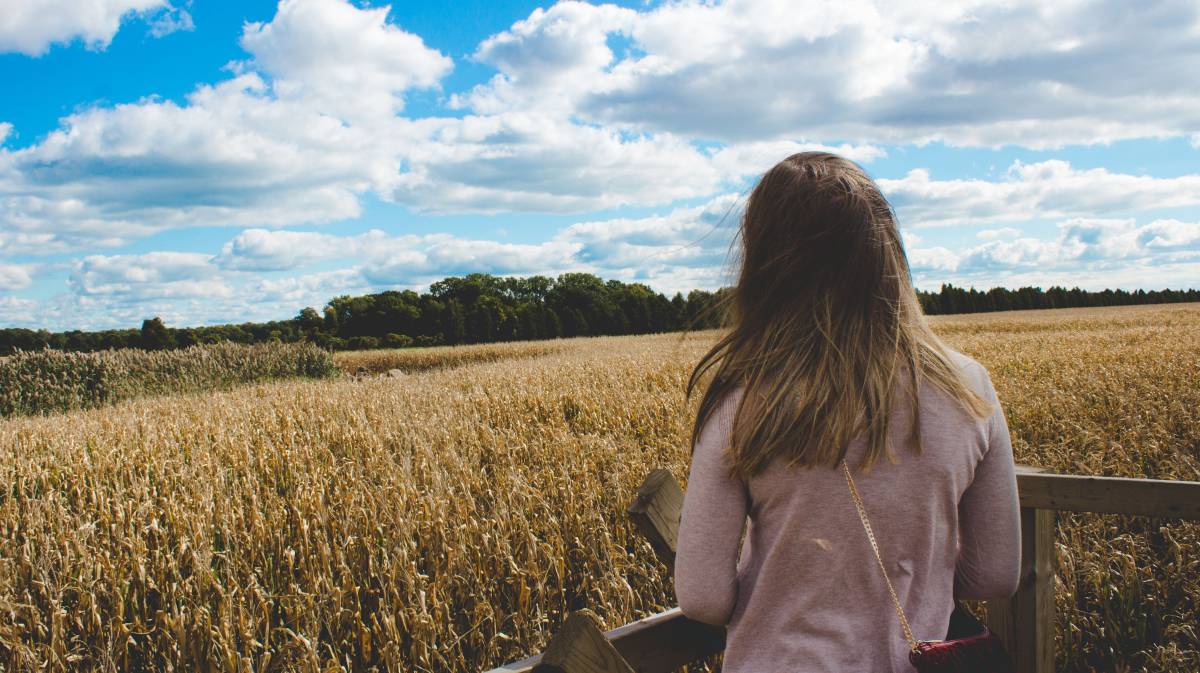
(279, 296)
(299, 135)
(153, 275)
(341, 58)
(1082, 243)
(687, 244)
(1047, 189)
(737, 160)
(231, 156)
(15, 276)
(265, 147)
(267, 250)
(550, 52)
(30, 27)
(979, 73)
(528, 161)
(418, 260)
(683, 238)
(383, 259)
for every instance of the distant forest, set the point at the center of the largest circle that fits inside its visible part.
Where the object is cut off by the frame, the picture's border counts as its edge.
(481, 308)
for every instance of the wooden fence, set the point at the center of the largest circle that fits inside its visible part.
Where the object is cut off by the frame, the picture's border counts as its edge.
(667, 641)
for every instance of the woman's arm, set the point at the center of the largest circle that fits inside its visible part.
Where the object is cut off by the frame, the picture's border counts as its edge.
(989, 519)
(710, 527)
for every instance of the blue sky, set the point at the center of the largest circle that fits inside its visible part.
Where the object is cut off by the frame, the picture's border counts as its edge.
(218, 162)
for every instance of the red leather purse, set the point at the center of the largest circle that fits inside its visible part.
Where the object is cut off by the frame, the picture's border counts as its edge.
(969, 647)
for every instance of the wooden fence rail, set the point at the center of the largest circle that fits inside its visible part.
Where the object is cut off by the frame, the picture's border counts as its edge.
(667, 641)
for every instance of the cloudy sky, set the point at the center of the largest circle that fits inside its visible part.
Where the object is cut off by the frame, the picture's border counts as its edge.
(219, 162)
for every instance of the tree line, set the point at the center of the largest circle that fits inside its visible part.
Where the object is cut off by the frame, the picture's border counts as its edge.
(482, 308)
(958, 300)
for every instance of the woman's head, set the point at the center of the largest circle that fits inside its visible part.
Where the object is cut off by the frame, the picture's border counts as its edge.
(817, 230)
(824, 321)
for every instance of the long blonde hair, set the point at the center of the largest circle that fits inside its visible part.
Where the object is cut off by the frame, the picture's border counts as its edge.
(823, 323)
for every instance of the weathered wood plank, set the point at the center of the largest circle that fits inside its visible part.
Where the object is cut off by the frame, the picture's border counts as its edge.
(580, 646)
(657, 644)
(1025, 622)
(656, 510)
(667, 641)
(1110, 495)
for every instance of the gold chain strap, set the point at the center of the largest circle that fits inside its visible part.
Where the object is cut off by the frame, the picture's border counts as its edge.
(862, 514)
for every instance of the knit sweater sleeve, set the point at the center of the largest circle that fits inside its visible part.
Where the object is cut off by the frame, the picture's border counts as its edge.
(715, 507)
(989, 558)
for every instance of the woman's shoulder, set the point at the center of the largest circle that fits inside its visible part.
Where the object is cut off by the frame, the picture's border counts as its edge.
(725, 410)
(975, 372)
(962, 359)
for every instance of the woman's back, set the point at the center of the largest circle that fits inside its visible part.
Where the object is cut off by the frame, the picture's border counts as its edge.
(807, 593)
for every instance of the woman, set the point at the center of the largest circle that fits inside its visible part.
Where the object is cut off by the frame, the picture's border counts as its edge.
(828, 344)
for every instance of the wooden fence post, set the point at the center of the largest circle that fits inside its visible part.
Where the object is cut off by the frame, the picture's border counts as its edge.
(1025, 622)
(580, 646)
(656, 511)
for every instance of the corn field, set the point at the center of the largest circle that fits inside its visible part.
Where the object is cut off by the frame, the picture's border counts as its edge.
(412, 360)
(36, 382)
(449, 519)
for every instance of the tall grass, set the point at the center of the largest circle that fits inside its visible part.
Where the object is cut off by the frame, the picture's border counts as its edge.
(48, 381)
(449, 520)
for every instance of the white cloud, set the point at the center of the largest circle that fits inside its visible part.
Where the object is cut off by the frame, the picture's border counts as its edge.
(342, 59)
(384, 260)
(1082, 243)
(301, 134)
(1002, 232)
(18, 312)
(544, 56)
(267, 250)
(738, 160)
(685, 245)
(1167, 234)
(418, 260)
(1048, 189)
(15, 276)
(171, 20)
(937, 258)
(127, 172)
(31, 26)
(977, 73)
(153, 275)
(286, 296)
(528, 161)
(237, 153)
(1005, 255)
(685, 238)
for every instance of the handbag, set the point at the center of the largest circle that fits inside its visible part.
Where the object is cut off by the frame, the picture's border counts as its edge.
(969, 647)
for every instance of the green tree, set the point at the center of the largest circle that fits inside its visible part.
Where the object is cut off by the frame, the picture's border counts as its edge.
(155, 335)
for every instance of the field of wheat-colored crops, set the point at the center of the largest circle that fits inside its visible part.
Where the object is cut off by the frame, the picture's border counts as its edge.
(447, 520)
(411, 360)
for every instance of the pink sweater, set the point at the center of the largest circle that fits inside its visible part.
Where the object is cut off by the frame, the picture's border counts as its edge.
(806, 594)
